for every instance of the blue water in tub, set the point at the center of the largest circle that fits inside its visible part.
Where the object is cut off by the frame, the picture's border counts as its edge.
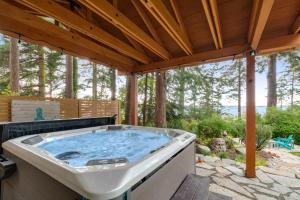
(130, 144)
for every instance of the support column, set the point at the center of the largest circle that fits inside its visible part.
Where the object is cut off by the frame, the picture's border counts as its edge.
(250, 118)
(132, 103)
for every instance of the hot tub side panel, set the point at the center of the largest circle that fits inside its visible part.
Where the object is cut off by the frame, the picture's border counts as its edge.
(29, 183)
(164, 183)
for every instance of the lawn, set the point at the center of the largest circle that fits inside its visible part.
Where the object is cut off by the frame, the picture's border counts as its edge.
(296, 153)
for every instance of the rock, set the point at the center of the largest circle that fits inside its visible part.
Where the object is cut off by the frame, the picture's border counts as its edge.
(235, 170)
(202, 149)
(224, 191)
(263, 190)
(286, 181)
(281, 188)
(223, 171)
(218, 145)
(225, 182)
(263, 197)
(263, 177)
(297, 174)
(293, 196)
(240, 179)
(277, 172)
(204, 172)
(204, 165)
(228, 161)
(210, 159)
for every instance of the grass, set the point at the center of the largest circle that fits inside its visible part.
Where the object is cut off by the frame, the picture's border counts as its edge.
(296, 153)
(259, 161)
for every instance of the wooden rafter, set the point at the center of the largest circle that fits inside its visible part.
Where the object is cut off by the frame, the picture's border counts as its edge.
(146, 20)
(14, 19)
(212, 15)
(166, 20)
(266, 46)
(81, 25)
(296, 25)
(104, 9)
(261, 10)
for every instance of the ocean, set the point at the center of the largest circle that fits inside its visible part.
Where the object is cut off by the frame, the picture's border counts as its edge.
(233, 110)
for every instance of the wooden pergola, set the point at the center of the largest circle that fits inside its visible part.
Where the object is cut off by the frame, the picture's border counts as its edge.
(139, 36)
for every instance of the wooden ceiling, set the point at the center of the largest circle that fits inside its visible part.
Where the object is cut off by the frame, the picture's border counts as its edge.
(150, 35)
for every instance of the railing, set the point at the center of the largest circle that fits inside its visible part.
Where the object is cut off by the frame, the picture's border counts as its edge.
(69, 108)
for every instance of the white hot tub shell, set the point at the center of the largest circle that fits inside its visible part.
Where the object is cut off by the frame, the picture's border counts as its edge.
(40, 176)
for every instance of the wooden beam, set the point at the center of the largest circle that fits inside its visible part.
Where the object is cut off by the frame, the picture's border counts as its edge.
(15, 20)
(81, 25)
(215, 14)
(166, 20)
(210, 21)
(250, 118)
(146, 20)
(261, 10)
(112, 15)
(266, 46)
(199, 58)
(296, 25)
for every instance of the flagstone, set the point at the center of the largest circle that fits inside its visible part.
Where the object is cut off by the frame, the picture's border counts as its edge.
(266, 191)
(240, 179)
(235, 170)
(263, 197)
(281, 188)
(292, 196)
(223, 171)
(286, 181)
(249, 189)
(204, 172)
(204, 165)
(224, 191)
(263, 177)
(225, 182)
(277, 172)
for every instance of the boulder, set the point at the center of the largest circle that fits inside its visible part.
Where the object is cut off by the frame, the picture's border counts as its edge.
(218, 145)
(202, 149)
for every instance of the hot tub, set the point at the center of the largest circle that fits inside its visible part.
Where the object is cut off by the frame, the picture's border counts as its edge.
(100, 163)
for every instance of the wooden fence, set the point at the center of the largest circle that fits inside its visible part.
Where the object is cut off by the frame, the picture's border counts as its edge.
(69, 108)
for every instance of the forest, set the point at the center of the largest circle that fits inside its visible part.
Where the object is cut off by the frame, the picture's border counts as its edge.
(194, 95)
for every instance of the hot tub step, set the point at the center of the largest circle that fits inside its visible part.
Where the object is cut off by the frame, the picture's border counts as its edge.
(193, 188)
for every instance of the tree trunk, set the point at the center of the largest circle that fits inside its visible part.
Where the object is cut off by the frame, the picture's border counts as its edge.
(14, 65)
(292, 87)
(145, 99)
(160, 106)
(271, 81)
(69, 77)
(239, 89)
(151, 98)
(42, 73)
(127, 106)
(94, 84)
(181, 91)
(75, 77)
(113, 83)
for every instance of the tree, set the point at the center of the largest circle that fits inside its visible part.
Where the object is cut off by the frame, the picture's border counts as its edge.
(271, 81)
(144, 110)
(75, 78)
(113, 86)
(14, 65)
(94, 81)
(69, 77)
(160, 100)
(41, 71)
(4, 63)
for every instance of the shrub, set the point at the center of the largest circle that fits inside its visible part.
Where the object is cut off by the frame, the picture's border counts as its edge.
(222, 155)
(211, 127)
(263, 135)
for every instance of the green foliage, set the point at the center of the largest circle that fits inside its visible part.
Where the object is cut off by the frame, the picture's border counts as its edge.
(222, 155)
(259, 160)
(263, 135)
(297, 153)
(284, 122)
(211, 127)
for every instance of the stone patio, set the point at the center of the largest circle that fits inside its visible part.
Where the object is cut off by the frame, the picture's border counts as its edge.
(227, 178)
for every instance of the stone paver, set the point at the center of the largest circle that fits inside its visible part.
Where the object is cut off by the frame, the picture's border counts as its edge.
(263, 197)
(281, 188)
(204, 172)
(292, 196)
(223, 171)
(277, 172)
(263, 177)
(240, 179)
(249, 189)
(286, 181)
(224, 191)
(265, 191)
(204, 165)
(225, 182)
(235, 170)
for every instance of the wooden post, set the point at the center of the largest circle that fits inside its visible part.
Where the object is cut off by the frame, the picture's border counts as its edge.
(133, 104)
(250, 118)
